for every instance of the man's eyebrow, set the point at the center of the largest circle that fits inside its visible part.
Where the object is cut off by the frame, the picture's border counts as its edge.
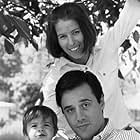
(67, 107)
(60, 34)
(76, 28)
(84, 100)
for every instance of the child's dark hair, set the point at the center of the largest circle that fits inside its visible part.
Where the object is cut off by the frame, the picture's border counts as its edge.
(37, 111)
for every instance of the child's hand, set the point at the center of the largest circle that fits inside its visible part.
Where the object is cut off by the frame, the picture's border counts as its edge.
(60, 136)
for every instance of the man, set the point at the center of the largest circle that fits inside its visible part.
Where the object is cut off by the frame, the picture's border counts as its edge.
(80, 96)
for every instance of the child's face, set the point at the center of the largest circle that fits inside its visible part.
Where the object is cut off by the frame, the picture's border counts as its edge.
(40, 129)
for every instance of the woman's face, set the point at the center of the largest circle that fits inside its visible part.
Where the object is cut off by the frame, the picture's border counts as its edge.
(71, 40)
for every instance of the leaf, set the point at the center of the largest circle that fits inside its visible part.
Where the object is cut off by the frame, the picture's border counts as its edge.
(35, 45)
(136, 36)
(21, 26)
(126, 44)
(6, 26)
(4, 1)
(17, 38)
(18, 13)
(120, 75)
(25, 42)
(23, 30)
(9, 47)
(35, 31)
(1, 4)
(16, 2)
(138, 69)
(138, 25)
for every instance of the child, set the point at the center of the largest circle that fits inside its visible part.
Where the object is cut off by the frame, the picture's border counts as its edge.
(40, 123)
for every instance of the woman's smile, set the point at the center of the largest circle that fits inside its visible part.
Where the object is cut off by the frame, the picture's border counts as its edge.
(71, 40)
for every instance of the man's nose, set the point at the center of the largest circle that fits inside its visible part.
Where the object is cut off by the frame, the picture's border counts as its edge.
(80, 115)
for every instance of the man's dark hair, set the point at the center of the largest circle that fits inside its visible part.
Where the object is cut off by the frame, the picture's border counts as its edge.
(76, 78)
(70, 11)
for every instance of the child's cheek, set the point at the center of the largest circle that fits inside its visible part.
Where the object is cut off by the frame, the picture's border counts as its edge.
(32, 133)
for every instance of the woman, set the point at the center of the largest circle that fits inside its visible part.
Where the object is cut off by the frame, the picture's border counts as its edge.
(71, 39)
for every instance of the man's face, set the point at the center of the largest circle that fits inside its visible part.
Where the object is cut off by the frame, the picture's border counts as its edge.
(40, 129)
(83, 112)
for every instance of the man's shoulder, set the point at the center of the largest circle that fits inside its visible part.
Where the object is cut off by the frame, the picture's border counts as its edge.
(122, 134)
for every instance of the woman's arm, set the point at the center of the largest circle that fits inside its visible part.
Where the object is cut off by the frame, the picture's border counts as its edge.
(127, 20)
(116, 35)
(48, 89)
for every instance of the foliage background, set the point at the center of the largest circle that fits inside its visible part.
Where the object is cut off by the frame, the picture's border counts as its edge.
(24, 60)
